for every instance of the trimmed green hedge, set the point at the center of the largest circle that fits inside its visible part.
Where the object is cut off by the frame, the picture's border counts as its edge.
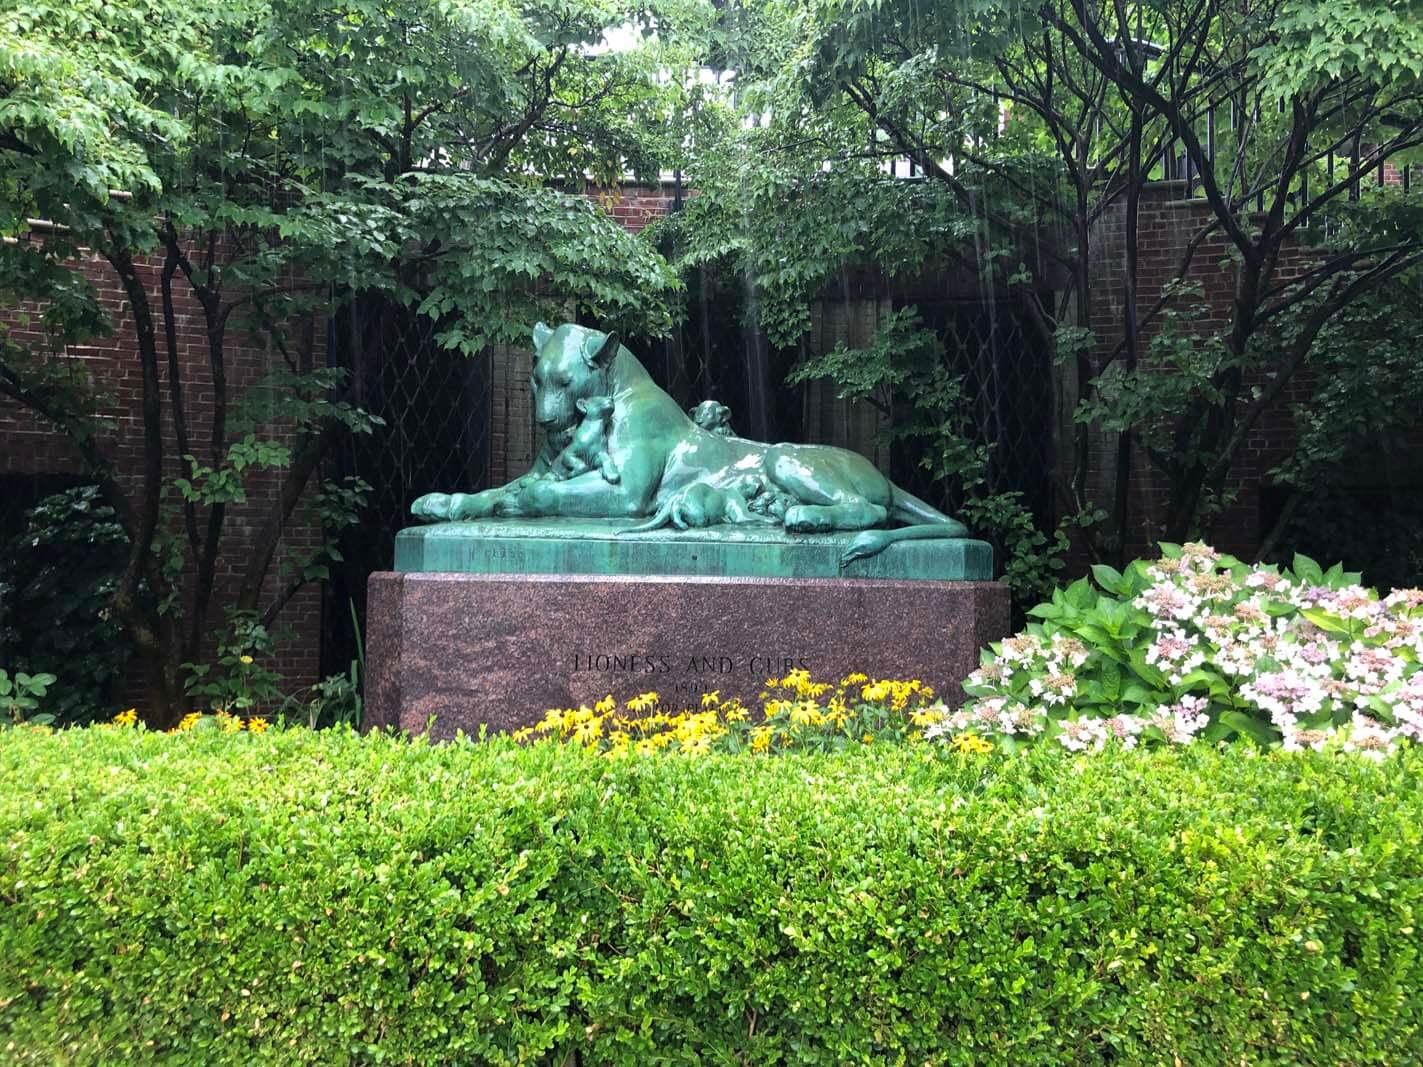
(323, 898)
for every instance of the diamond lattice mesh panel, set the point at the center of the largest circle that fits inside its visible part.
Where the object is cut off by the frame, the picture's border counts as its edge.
(435, 406)
(1007, 382)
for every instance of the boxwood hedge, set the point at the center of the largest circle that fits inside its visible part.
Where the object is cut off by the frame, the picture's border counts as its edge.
(327, 898)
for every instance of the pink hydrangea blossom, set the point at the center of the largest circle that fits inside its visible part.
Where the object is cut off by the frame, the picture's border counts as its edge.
(1356, 653)
(1079, 735)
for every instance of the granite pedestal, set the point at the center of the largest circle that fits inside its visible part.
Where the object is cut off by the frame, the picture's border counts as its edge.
(453, 643)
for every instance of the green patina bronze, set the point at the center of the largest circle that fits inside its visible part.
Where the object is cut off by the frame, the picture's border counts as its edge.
(628, 483)
(601, 546)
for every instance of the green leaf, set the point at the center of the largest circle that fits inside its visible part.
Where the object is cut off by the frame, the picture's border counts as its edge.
(1144, 697)
(1080, 594)
(1306, 570)
(1109, 578)
(1326, 621)
(1111, 682)
(1246, 726)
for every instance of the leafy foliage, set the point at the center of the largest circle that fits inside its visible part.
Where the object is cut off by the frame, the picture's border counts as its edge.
(279, 157)
(57, 579)
(20, 698)
(320, 897)
(336, 701)
(1034, 130)
(1370, 386)
(1382, 39)
(238, 683)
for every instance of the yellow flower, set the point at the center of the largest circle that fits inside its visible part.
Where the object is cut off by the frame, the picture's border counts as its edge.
(126, 718)
(928, 716)
(228, 724)
(588, 731)
(798, 679)
(761, 737)
(854, 679)
(868, 739)
(971, 743)
(696, 746)
(188, 721)
(806, 713)
(642, 702)
(257, 725)
(523, 734)
(606, 705)
(246, 661)
(712, 699)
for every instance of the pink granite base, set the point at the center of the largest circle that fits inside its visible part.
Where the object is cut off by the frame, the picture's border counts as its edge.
(465, 650)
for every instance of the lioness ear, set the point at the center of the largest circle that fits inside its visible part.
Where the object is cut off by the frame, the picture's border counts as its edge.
(600, 353)
(541, 334)
(582, 406)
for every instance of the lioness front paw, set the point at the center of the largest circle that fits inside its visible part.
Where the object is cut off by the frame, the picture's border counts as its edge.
(432, 507)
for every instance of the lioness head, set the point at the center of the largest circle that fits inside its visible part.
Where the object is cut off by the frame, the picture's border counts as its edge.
(571, 364)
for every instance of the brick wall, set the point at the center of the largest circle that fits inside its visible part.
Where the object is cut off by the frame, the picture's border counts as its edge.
(30, 446)
(511, 422)
(635, 205)
(1166, 225)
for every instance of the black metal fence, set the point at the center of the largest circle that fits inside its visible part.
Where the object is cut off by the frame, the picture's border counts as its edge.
(434, 406)
(1008, 392)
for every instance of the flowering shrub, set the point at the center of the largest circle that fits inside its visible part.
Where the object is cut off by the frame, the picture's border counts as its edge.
(796, 713)
(1200, 645)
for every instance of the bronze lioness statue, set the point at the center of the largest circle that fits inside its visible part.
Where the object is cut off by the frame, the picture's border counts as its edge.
(674, 472)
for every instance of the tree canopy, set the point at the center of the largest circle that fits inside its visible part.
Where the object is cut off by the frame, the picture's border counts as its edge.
(278, 156)
(1028, 125)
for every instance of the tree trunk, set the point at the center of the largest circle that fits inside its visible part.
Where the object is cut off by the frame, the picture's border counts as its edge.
(151, 632)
